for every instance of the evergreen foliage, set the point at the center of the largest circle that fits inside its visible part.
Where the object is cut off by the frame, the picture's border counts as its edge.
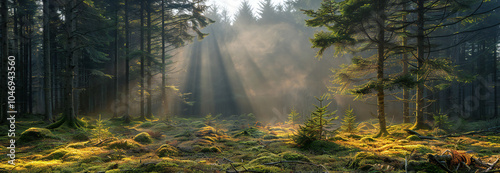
(441, 121)
(349, 121)
(314, 127)
(293, 117)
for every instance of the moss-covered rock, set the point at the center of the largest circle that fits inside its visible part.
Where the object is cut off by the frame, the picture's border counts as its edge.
(353, 136)
(57, 154)
(252, 132)
(211, 150)
(367, 139)
(294, 157)
(77, 145)
(35, 133)
(146, 124)
(264, 159)
(364, 158)
(413, 138)
(123, 144)
(143, 138)
(167, 150)
(419, 148)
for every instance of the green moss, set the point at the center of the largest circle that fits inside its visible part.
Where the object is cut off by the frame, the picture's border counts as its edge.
(80, 136)
(338, 138)
(419, 148)
(252, 131)
(123, 144)
(413, 138)
(197, 124)
(146, 124)
(206, 131)
(143, 138)
(266, 169)
(323, 147)
(270, 136)
(210, 149)
(249, 142)
(55, 155)
(35, 133)
(256, 148)
(367, 139)
(167, 150)
(77, 145)
(161, 127)
(295, 156)
(354, 136)
(264, 159)
(364, 158)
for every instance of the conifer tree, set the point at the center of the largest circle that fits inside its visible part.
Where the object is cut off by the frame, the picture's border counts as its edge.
(314, 128)
(349, 121)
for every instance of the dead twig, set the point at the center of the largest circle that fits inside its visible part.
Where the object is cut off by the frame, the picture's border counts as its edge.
(492, 165)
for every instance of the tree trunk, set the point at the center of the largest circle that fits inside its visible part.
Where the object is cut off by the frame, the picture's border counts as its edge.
(163, 65)
(69, 117)
(5, 54)
(406, 106)
(149, 113)
(126, 117)
(419, 120)
(115, 114)
(143, 117)
(46, 57)
(380, 72)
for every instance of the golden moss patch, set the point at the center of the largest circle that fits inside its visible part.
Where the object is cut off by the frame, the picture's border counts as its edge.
(143, 138)
(167, 150)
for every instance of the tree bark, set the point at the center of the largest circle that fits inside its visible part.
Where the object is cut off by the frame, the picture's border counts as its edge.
(149, 113)
(115, 114)
(380, 71)
(126, 117)
(163, 73)
(46, 56)
(406, 106)
(143, 117)
(419, 120)
(69, 117)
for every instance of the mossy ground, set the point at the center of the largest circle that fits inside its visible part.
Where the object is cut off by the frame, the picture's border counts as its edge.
(187, 145)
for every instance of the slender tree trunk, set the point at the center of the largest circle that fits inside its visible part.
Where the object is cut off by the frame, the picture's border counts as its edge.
(163, 65)
(5, 54)
(380, 71)
(406, 105)
(126, 117)
(143, 117)
(419, 120)
(115, 114)
(46, 57)
(149, 111)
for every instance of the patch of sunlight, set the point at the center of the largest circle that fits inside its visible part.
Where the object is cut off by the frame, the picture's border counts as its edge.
(485, 144)
(42, 164)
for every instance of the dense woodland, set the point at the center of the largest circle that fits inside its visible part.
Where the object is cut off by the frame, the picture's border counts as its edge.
(405, 71)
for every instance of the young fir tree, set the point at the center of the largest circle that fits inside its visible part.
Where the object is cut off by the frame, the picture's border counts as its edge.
(293, 117)
(314, 127)
(349, 121)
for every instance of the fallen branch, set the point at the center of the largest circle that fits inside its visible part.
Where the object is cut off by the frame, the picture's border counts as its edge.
(492, 166)
(491, 129)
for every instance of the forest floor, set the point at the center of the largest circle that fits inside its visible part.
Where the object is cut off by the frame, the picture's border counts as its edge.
(190, 145)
